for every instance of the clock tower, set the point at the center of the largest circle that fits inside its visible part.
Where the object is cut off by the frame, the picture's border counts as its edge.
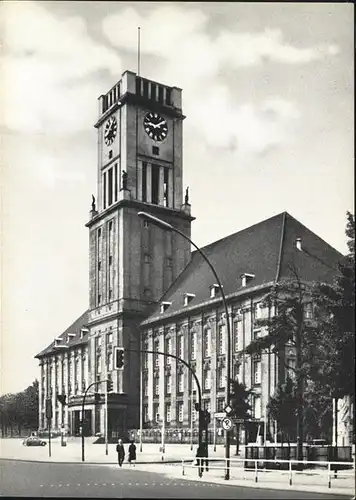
(132, 262)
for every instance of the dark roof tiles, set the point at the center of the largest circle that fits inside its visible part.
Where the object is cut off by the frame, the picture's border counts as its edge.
(262, 250)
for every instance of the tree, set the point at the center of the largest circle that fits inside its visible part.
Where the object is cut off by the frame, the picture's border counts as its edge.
(336, 317)
(287, 325)
(240, 405)
(19, 410)
(283, 406)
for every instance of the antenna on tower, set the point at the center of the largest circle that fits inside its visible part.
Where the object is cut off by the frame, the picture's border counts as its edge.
(138, 50)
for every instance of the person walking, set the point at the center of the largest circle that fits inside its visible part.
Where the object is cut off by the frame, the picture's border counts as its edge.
(120, 452)
(132, 453)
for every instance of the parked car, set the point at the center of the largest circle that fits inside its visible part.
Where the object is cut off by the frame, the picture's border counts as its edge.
(34, 441)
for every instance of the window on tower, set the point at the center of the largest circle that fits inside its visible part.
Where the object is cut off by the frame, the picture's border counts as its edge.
(168, 96)
(145, 88)
(153, 91)
(160, 94)
(165, 187)
(155, 184)
(110, 187)
(104, 190)
(144, 181)
(115, 177)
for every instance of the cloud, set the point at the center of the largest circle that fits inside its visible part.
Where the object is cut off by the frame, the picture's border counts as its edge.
(50, 70)
(188, 56)
(248, 49)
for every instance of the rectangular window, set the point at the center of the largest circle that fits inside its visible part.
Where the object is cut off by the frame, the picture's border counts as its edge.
(165, 187)
(110, 367)
(168, 350)
(138, 85)
(206, 404)
(220, 404)
(156, 386)
(180, 382)
(160, 94)
(257, 407)
(110, 187)
(206, 375)
(145, 413)
(144, 181)
(156, 412)
(221, 377)
(168, 384)
(109, 338)
(104, 190)
(156, 356)
(145, 88)
(155, 150)
(193, 346)
(98, 364)
(180, 346)
(168, 96)
(115, 176)
(236, 346)
(168, 412)
(221, 334)
(257, 370)
(99, 299)
(207, 343)
(180, 411)
(110, 260)
(153, 91)
(155, 184)
(145, 385)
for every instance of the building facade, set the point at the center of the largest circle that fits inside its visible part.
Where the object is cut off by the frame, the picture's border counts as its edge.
(147, 289)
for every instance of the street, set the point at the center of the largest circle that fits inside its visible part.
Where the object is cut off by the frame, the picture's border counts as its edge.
(34, 479)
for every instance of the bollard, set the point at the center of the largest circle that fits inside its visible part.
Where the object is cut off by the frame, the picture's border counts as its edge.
(256, 478)
(329, 475)
(182, 467)
(290, 473)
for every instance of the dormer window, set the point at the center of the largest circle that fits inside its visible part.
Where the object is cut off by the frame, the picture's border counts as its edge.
(164, 306)
(214, 290)
(298, 244)
(69, 336)
(57, 341)
(188, 297)
(83, 331)
(246, 278)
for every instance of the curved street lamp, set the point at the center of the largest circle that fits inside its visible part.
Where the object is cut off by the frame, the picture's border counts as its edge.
(169, 227)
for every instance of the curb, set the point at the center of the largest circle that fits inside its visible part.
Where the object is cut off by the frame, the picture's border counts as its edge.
(89, 462)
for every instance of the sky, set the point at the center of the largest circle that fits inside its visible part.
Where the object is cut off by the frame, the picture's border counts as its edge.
(268, 93)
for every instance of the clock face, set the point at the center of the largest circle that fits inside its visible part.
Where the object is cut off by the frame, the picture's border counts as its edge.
(155, 126)
(110, 130)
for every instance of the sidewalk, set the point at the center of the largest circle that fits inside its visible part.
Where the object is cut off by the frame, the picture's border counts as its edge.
(316, 482)
(150, 459)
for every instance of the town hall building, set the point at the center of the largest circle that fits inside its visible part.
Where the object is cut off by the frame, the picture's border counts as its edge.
(148, 290)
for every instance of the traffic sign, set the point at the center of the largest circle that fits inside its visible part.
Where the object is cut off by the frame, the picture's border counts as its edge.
(227, 424)
(228, 409)
(238, 420)
(220, 414)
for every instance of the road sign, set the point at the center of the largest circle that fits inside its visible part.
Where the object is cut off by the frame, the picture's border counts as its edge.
(227, 424)
(220, 414)
(228, 409)
(238, 420)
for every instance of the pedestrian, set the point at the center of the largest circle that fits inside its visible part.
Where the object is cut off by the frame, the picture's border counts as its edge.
(199, 462)
(120, 452)
(132, 453)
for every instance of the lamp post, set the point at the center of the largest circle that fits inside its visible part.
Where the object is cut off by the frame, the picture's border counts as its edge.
(169, 227)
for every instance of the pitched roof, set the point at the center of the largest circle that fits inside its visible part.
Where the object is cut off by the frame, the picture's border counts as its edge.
(265, 250)
(69, 340)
